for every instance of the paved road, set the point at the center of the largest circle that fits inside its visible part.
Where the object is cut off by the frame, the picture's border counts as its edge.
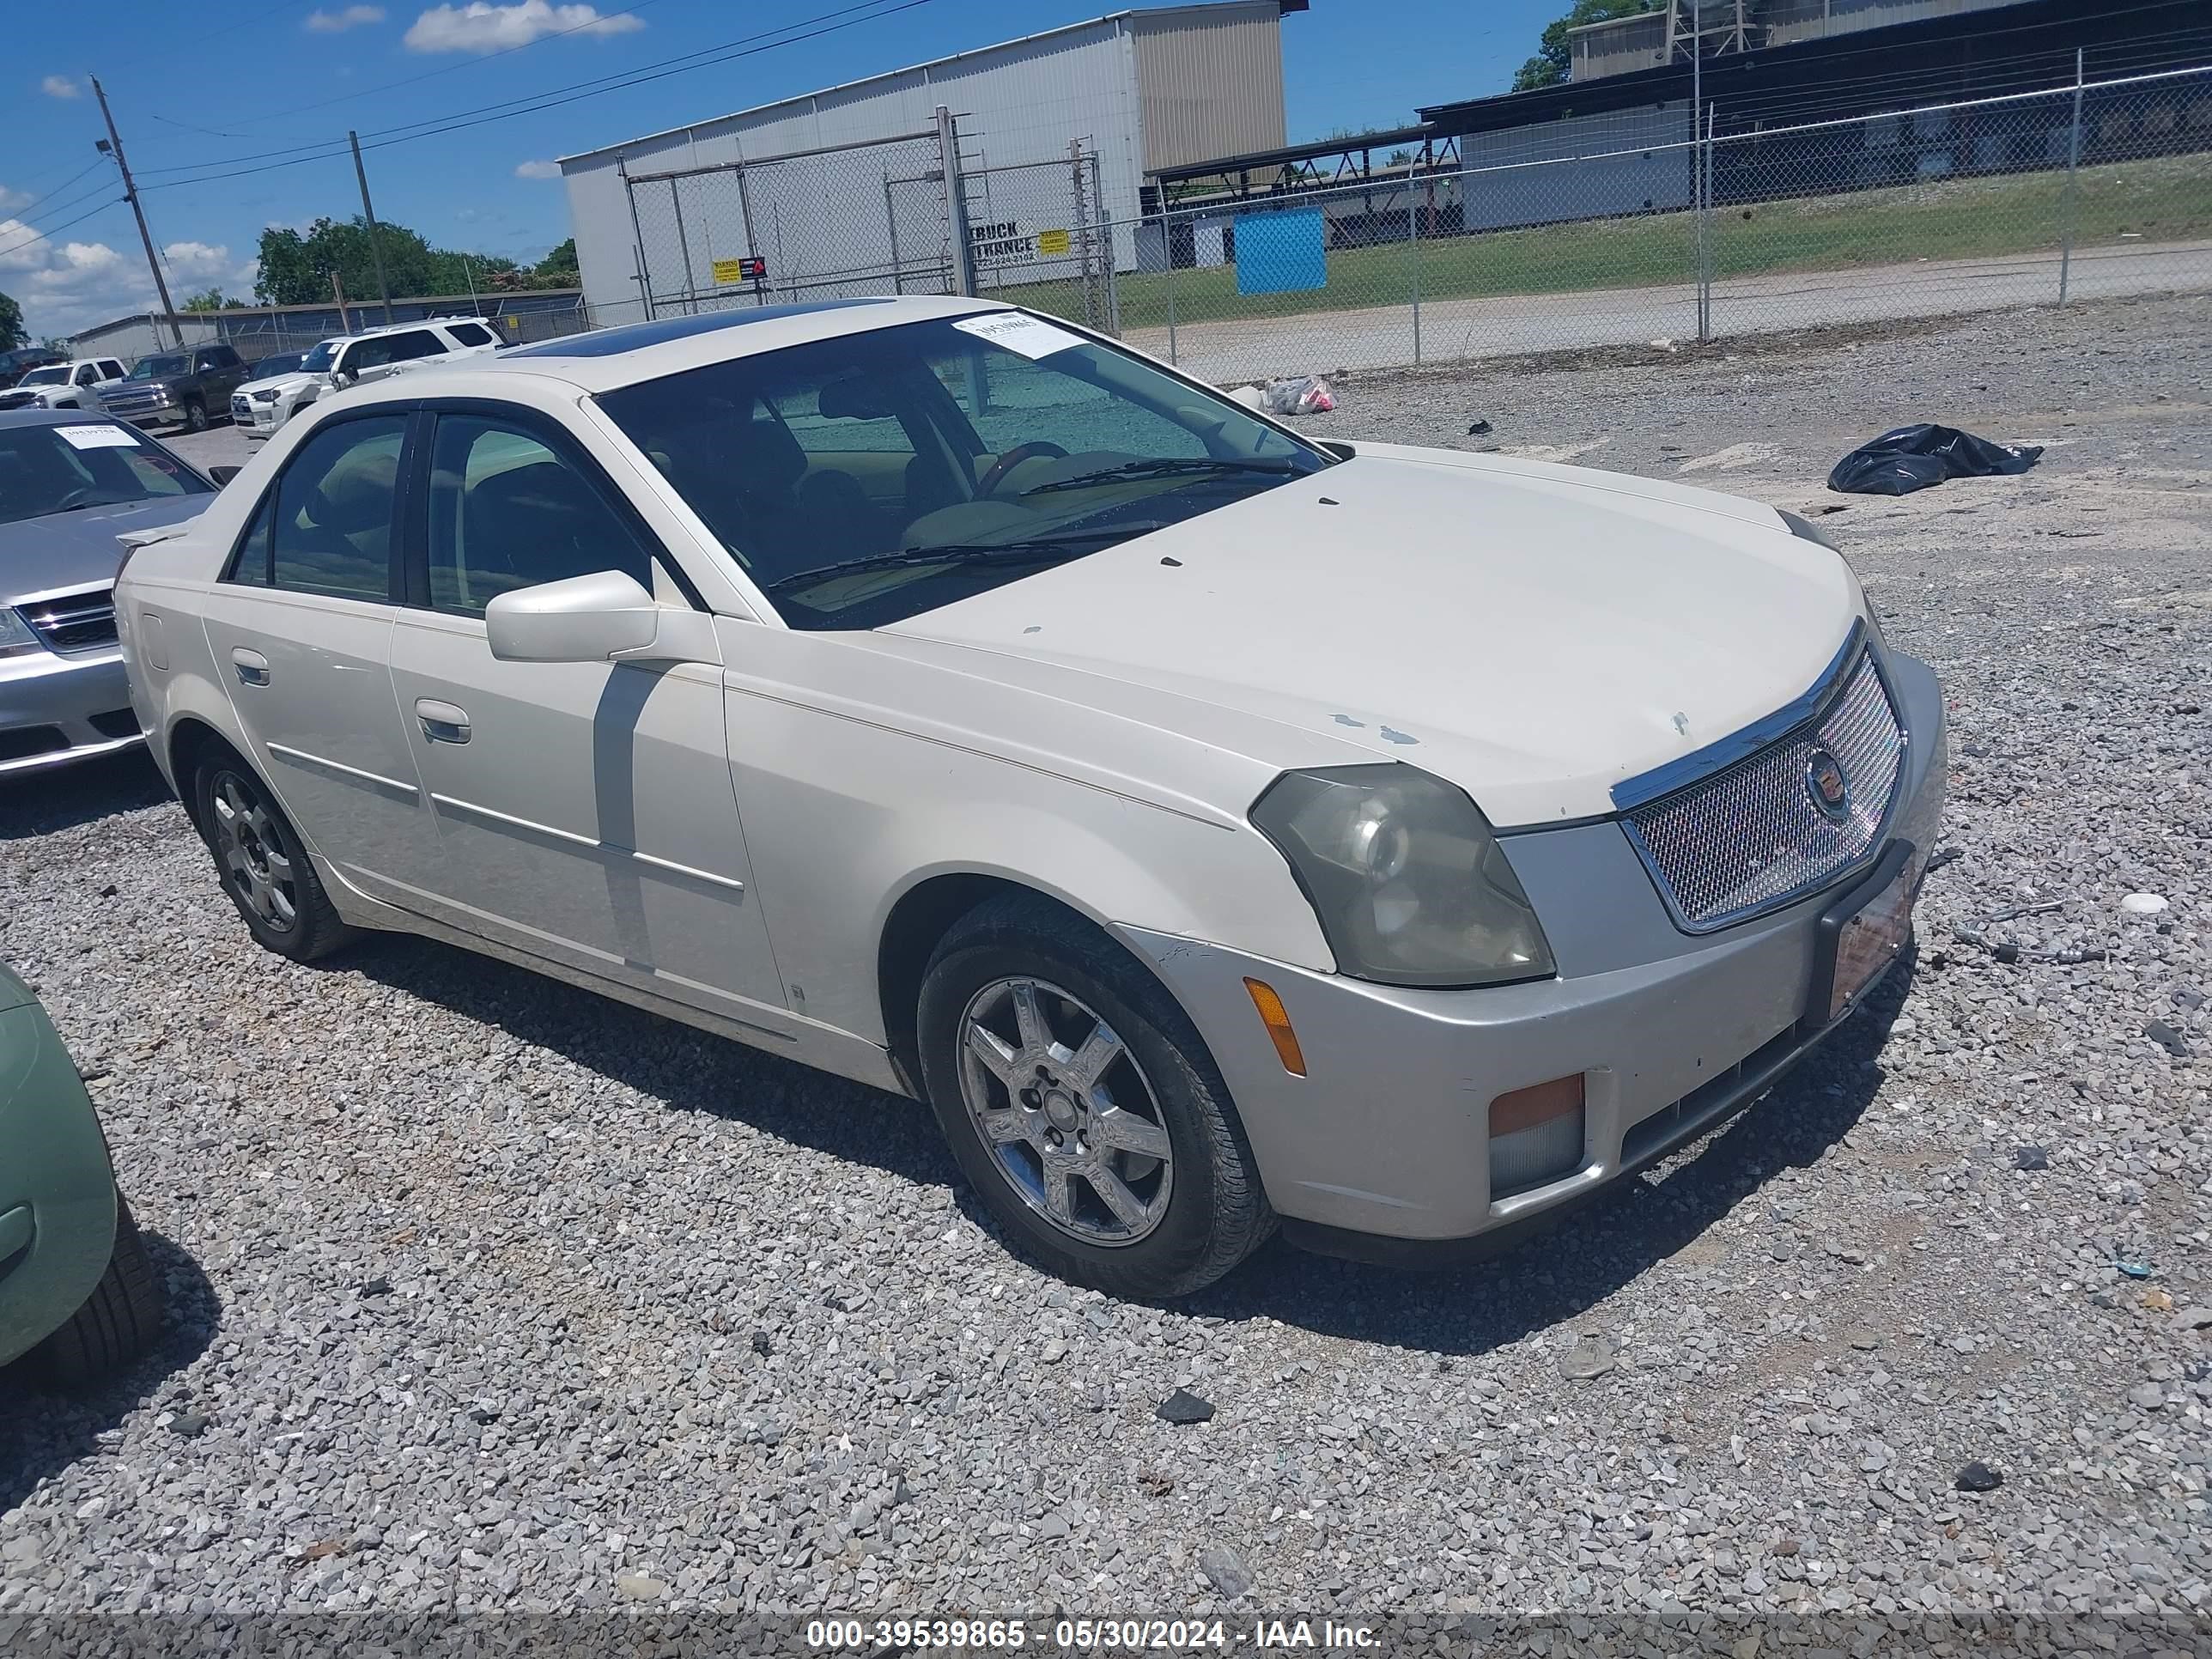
(1384, 337)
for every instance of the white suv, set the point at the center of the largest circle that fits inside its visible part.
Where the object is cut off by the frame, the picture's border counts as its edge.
(260, 407)
(74, 385)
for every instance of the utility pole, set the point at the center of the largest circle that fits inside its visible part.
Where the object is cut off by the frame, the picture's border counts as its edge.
(114, 147)
(375, 247)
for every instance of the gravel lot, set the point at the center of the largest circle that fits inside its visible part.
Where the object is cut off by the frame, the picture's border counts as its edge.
(490, 1293)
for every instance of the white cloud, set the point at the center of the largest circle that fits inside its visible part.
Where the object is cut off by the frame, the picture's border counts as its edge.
(538, 170)
(12, 198)
(481, 26)
(196, 262)
(60, 86)
(67, 285)
(337, 23)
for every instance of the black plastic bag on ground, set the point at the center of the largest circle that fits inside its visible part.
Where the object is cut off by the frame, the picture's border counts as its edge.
(1909, 458)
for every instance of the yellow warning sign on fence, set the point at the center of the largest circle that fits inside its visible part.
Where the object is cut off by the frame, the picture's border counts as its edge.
(1051, 242)
(729, 270)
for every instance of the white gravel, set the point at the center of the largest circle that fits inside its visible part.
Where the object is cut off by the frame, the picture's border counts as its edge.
(492, 1294)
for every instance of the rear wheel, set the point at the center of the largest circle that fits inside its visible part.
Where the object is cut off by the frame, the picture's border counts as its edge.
(1083, 1104)
(118, 1323)
(264, 869)
(195, 419)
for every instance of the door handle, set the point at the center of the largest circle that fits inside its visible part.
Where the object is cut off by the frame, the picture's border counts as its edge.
(442, 721)
(253, 668)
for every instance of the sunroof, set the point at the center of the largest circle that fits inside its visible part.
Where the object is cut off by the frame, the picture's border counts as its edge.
(632, 337)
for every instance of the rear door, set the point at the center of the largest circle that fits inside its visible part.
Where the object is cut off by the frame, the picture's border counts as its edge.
(586, 810)
(300, 628)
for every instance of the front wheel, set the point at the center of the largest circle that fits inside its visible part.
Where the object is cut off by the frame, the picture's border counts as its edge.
(1083, 1105)
(264, 868)
(195, 419)
(118, 1323)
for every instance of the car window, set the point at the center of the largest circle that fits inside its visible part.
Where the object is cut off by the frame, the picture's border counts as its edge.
(250, 562)
(86, 374)
(84, 464)
(221, 357)
(110, 369)
(832, 470)
(507, 511)
(471, 334)
(331, 532)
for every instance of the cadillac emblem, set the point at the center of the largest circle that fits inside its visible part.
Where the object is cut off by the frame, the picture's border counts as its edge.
(1825, 783)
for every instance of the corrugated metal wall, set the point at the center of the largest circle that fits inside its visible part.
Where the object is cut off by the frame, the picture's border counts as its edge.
(1209, 81)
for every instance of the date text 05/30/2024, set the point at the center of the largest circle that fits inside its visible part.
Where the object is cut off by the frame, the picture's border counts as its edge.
(1089, 1635)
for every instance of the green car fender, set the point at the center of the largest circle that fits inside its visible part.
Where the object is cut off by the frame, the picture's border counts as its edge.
(57, 1186)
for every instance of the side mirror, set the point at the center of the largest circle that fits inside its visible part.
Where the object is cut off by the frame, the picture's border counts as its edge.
(601, 617)
(342, 378)
(222, 475)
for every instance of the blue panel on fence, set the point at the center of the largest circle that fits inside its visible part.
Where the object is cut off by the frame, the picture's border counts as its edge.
(1277, 252)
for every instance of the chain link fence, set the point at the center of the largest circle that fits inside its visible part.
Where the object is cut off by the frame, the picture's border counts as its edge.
(822, 224)
(2091, 192)
(1689, 227)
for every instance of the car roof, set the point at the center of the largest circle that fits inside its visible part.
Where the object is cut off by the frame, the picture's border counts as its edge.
(603, 359)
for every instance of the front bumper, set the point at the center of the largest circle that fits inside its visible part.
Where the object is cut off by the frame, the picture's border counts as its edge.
(1383, 1148)
(55, 709)
(56, 1187)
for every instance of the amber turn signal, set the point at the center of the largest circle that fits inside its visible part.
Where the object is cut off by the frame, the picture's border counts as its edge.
(1277, 1019)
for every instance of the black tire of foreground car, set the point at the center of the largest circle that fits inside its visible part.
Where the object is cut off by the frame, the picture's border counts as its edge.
(118, 1323)
(263, 868)
(1057, 1065)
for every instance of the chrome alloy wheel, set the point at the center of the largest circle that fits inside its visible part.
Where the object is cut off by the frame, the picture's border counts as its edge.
(1069, 1116)
(252, 854)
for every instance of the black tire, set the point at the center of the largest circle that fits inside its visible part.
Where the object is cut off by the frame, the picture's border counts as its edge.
(119, 1321)
(195, 419)
(312, 927)
(1216, 1212)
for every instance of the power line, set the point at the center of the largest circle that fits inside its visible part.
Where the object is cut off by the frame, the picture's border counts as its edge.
(47, 234)
(830, 22)
(447, 69)
(18, 213)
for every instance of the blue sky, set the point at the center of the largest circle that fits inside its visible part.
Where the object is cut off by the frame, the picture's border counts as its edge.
(249, 82)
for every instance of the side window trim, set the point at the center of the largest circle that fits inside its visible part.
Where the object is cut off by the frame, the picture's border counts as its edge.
(402, 506)
(545, 430)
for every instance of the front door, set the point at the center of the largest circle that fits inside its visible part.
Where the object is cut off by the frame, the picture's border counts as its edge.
(586, 810)
(300, 628)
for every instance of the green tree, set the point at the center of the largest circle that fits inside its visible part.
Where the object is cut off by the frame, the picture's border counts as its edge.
(1548, 68)
(558, 269)
(12, 331)
(213, 299)
(296, 267)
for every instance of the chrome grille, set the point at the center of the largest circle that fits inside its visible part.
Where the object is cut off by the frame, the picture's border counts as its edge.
(1750, 838)
(76, 622)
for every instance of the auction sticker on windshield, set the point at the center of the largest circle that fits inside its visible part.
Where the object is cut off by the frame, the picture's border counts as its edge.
(1030, 335)
(97, 437)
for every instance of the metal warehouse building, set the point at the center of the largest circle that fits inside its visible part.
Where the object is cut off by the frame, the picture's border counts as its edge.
(845, 189)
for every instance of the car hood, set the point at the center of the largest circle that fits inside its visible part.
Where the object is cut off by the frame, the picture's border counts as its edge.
(286, 384)
(1536, 634)
(72, 550)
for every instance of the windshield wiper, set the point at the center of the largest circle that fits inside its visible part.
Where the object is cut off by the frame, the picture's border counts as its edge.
(1035, 549)
(1160, 466)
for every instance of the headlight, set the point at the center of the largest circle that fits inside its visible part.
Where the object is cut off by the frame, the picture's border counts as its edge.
(16, 639)
(1407, 879)
(268, 396)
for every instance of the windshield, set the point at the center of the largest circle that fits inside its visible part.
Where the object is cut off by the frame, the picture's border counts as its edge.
(45, 377)
(868, 479)
(63, 469)
(149, 368)
(319, 360)
(268, 368)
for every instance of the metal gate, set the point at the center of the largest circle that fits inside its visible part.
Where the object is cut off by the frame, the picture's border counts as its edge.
(1039, 235)
(878, 217)
(821, 224)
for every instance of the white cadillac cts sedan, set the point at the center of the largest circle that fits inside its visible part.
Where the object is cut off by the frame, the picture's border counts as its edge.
(1213, 826)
